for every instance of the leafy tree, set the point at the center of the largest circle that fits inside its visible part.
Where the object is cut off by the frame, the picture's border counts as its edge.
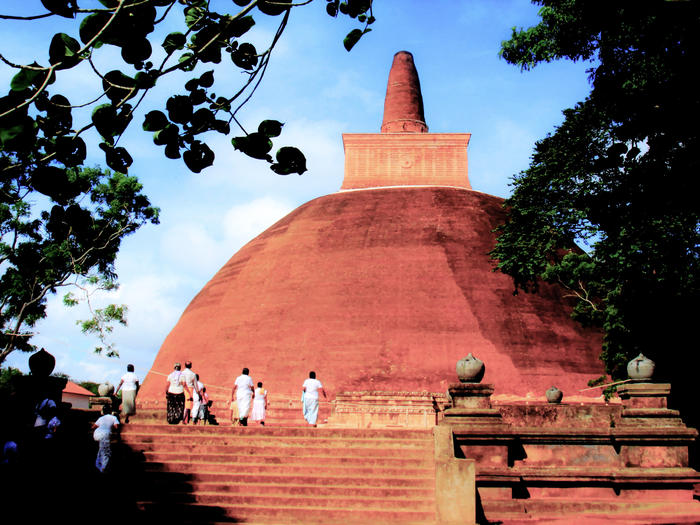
(90, 385)
(61, 224)
(34, 123)
(619, 176)
(6, 375)
(60, 227)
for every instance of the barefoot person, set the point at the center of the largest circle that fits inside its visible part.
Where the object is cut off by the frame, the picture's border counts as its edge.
(311, 388)
(175, 396)
(103, 428)
(189, 381)
(259, 404)
(129, 385)
(243, 393)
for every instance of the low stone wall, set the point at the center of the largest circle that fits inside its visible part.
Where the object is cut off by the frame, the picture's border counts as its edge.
(546, 454)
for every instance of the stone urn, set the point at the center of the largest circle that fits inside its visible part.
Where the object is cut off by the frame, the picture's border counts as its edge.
(640, 368)
(105, 389)
(554, 395)
(41, 363)
(470, 369)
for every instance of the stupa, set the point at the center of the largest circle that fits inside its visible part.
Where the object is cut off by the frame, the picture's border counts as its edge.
(383, 285)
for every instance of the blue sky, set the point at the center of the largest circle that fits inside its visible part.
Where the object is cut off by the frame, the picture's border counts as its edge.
(319, 91)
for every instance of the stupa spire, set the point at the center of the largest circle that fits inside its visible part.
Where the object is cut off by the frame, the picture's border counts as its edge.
(403, 105)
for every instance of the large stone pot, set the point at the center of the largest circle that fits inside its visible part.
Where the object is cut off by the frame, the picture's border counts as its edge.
(42, 363)
(470, 369)
(105, 389)
(554, 395)
(640, 368)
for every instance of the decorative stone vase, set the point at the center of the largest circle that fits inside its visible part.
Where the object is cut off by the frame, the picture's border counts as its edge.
(105, 389)
(640, 368)
(554, 395)
(470, 369)
(41, 363)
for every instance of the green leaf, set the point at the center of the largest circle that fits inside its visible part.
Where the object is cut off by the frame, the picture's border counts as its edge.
(187, 61)
(245, 56)
(64, 8)
(353, 37)
(173, 42)
(198, 96)
(63, 50)
(179, 109)
(255, 145)
(198, 157)
(240, 26)
(93, 25)
(202, 120)
(54, 182)
(154, 121)
(70, 300)
(18, 133)
(26, 78)
(59, 119)
(289, 160)
(146, 80)
(116, 158)
(273, 7)
(71, 151)
(172, 150)
(108, 122)
(136, 50)
(270, 128)
(194, 15)
(119, 86)
(168, 135)
(207, 79)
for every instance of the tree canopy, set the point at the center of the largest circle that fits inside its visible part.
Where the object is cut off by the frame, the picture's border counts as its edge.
(61, 223)
(618, 177)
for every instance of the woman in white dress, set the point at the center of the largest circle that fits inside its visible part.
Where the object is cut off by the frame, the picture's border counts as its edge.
(259, 404)
(129, 385)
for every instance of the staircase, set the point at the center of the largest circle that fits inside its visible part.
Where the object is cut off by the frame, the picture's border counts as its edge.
(212, 474)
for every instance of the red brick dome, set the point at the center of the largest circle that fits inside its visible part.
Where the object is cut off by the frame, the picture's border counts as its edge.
(378, 289)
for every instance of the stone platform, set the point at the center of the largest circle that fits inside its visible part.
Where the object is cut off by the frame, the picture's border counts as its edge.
(382, 409)
(547, 460)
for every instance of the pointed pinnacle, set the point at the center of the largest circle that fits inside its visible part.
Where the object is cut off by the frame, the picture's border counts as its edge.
(403, 106)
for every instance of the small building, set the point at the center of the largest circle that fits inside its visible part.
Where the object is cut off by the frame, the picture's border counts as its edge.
(76, 395)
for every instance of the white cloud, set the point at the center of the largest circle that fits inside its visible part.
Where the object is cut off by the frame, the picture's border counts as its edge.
(244, 222)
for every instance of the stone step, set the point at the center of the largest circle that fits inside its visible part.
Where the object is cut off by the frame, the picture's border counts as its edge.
(299, 447)
(288, 515)
(305, 501)
(632, 510)
(198, 474)
(159, 475)
(327, 461)
(263, 468)
(270, 489)
(320, 432)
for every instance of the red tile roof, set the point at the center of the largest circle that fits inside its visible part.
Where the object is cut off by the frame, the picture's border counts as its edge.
(72, 388)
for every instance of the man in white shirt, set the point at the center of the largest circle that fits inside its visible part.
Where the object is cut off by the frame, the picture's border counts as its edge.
(311, 388)
(189, 379)
(243, 390)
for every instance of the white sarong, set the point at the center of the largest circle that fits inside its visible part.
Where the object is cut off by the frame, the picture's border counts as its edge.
(243, 400)
(310, 409)
(104, 452)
